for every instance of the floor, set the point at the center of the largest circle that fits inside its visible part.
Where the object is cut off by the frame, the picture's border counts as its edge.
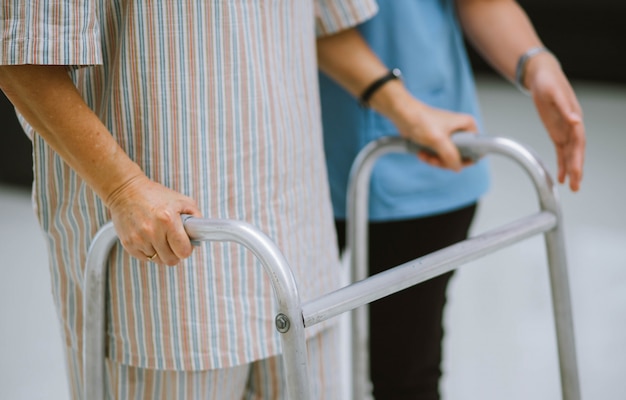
(499, 340)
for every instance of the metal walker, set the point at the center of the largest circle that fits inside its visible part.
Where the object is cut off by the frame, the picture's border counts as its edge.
(293, 316)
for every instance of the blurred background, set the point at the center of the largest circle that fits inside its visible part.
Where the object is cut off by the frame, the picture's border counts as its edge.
(499, 340)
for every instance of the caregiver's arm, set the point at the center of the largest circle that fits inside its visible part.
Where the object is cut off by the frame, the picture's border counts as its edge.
(501, 31)
(346, 58)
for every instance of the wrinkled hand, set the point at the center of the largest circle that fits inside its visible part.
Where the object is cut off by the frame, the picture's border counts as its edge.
(561, 115)
(147, 218)
(433, 128)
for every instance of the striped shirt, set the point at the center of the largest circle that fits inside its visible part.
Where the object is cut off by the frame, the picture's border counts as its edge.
(219, 101)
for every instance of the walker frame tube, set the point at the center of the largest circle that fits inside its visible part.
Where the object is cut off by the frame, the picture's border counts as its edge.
(293, 316)
(473, 147)
(288, 320)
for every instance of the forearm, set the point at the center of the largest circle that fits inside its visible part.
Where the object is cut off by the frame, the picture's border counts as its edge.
(47, 98)
(347, 59)
(500, 31)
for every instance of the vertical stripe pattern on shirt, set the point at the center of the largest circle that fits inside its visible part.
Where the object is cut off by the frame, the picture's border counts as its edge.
(43, 32)
(217, 100)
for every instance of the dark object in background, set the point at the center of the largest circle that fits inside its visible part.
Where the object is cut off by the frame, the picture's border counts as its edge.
(16, 165)
(588, 36)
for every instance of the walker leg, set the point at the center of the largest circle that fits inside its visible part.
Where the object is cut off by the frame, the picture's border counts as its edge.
(473, 147)
(289, 321)
(562, 308)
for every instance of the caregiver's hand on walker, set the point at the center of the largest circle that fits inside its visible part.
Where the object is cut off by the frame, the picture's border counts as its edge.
(433, 128)
(359, 71)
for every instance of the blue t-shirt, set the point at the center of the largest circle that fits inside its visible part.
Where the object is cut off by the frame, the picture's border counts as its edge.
(424, 40)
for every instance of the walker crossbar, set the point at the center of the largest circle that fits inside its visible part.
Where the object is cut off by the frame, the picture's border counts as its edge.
(422, 269)
(548, 221)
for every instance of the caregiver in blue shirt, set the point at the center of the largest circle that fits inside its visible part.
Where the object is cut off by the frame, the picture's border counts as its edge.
(421, 204)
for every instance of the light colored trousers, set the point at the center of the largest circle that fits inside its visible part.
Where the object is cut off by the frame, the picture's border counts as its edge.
(260, 380)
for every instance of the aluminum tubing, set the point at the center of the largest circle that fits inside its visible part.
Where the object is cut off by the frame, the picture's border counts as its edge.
(94, 328)
(473, 147)
(563, 314)
(424, 268)
(289, 318)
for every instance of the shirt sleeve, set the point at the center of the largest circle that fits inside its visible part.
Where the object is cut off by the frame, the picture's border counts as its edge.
(49, 32)
(332, 16)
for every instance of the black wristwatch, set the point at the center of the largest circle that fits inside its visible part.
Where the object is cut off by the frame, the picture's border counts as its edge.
(377, 84)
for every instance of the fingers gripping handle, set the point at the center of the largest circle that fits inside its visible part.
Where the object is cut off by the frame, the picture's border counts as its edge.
(185, 218)
(460, 139)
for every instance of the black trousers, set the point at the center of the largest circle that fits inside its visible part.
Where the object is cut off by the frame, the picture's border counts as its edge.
(406, 328)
